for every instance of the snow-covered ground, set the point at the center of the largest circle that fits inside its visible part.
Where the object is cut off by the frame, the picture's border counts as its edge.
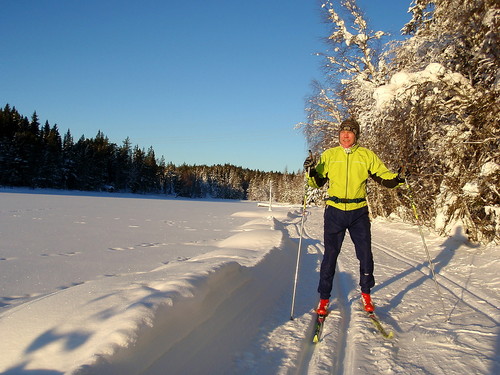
(120, 284)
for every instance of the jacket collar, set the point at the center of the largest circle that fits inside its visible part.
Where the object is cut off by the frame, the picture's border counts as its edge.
(351, 149)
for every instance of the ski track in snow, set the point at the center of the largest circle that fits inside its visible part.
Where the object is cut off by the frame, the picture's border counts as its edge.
(223, 307)
(424, 342)
(475, 298)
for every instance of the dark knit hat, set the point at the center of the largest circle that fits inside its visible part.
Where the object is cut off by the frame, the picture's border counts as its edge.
(351, 125)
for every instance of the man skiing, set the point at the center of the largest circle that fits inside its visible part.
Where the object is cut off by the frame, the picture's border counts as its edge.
(347, 168)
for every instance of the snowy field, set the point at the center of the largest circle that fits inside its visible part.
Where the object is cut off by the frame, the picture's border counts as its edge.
(121, 284)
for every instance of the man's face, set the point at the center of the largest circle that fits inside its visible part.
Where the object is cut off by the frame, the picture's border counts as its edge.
(347, 138)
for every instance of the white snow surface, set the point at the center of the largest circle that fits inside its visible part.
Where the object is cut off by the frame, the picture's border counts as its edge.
(123, 284)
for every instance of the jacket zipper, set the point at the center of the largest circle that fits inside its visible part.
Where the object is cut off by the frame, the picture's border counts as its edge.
(346, 180)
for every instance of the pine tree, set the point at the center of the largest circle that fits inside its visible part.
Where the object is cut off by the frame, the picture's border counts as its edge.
(68, 162)
(50, 168)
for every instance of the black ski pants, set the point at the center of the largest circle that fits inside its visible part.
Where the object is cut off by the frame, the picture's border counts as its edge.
(336, 222)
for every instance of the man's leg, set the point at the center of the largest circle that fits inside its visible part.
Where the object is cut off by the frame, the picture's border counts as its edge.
(360, 233)
(334, 233)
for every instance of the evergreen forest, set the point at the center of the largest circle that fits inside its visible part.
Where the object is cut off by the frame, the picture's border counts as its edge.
(37, 156)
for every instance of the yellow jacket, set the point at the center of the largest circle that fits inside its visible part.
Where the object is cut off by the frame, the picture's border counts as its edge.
(347, 171)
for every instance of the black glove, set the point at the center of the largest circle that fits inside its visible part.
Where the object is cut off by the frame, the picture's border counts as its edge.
(403, 173)
(309, 162)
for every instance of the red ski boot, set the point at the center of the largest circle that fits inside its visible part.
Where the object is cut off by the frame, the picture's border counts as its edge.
(367, 302)
(322, 307)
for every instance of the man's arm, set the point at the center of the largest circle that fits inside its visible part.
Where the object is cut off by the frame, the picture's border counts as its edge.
(378, 171)
(315, 180)
(391, 183)
(397, 180)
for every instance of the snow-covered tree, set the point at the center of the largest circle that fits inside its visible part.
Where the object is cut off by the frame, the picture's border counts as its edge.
(354, 66)
(441, 112)
(430, 102)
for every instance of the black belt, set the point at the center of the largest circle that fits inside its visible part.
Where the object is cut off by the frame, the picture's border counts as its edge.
(345, 200)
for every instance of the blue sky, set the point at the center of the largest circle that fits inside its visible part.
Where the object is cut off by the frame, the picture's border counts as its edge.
(203, 82)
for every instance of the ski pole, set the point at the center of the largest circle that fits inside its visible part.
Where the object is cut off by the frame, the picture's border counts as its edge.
(431, 265)
(300, 242)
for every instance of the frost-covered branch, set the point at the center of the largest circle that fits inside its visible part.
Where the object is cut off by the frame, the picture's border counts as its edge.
(353, 50)
(421, 11)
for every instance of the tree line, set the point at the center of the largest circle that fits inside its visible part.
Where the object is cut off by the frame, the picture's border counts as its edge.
(37, 156)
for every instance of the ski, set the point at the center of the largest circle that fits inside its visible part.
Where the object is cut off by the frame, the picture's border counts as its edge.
(318, 327)
(379, 327)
